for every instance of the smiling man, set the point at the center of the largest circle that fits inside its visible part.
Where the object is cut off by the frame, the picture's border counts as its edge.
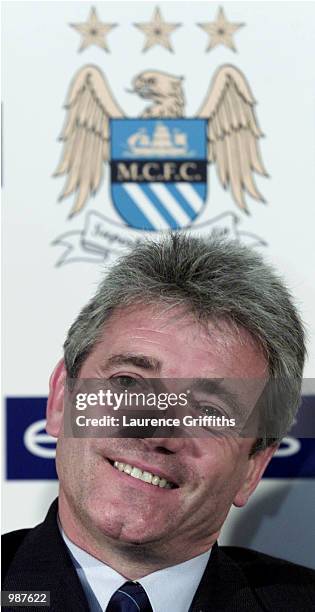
(137, 520)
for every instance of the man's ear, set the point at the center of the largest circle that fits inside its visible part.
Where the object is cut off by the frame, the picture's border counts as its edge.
(54, 413)
(256, 467)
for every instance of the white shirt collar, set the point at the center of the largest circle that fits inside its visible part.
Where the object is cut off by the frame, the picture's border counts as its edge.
(172, 588)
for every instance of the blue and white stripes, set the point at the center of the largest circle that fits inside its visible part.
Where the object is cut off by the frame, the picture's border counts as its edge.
(159, 206)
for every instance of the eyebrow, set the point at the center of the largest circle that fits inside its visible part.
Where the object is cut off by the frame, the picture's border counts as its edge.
(139, 361)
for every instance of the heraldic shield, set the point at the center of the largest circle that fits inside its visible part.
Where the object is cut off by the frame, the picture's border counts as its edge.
(158, 171)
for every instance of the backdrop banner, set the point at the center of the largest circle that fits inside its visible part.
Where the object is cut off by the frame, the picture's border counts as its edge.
(123, 120)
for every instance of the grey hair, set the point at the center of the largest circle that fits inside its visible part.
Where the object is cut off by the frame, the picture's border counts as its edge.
(215, 279)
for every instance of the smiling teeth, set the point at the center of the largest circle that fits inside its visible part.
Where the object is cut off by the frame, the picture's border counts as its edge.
(145, 476)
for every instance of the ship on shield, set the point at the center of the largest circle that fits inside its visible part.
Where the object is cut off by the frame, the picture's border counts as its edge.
(164, 142)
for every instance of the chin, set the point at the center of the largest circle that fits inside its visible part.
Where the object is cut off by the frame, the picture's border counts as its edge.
(124, 525)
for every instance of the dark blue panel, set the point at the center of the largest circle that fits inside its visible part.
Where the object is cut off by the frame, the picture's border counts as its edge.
(301, 464)
(25, 460)
(25, 447)
(299, 461)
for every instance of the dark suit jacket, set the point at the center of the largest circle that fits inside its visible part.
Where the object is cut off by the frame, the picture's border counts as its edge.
(235, 579)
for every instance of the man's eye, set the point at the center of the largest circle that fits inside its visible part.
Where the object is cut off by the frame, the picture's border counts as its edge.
(124, 382)
(209, 411)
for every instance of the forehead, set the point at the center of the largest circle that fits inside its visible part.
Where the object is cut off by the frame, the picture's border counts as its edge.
(184, 347)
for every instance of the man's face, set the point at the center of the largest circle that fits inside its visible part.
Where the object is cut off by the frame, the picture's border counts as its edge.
(210, 473)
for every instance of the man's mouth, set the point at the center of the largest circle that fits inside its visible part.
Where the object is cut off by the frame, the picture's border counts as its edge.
(145, 476)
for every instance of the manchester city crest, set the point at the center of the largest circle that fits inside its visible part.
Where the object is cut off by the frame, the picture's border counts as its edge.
(155, 170)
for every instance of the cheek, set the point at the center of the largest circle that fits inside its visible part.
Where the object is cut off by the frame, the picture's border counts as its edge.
(218, 494)
(223, 469)
(74, 463)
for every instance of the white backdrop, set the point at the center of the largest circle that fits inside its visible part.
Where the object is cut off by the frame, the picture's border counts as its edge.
(275, 51)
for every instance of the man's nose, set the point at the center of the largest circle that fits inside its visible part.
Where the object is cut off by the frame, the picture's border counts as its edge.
(166, 446)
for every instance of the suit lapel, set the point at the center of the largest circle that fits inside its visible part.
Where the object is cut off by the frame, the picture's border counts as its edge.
(42, 563)
(224, 587)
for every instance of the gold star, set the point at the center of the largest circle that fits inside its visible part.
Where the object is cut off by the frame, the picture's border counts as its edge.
(220, 31)
(157, 31)
(93, 31)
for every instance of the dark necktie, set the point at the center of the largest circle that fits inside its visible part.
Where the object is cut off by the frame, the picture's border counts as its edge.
(130, 597)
